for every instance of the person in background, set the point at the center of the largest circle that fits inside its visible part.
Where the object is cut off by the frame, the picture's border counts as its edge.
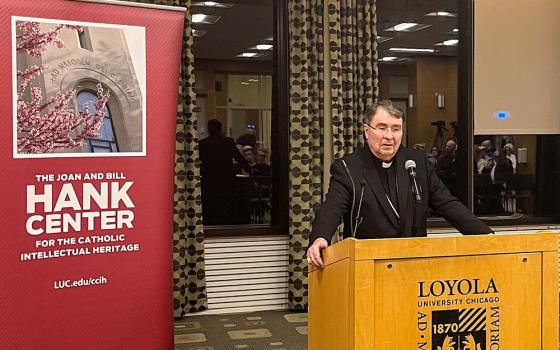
(249, 155)
(217, 155)
(433, 156)
(447, 166)
(487, 162)
(249, 138)
(262, 168)
(509, 151)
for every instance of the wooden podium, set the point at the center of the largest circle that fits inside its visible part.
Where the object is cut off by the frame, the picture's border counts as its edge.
(451, 293)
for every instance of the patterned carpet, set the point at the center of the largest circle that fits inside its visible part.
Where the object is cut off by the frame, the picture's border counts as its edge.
(267, 330)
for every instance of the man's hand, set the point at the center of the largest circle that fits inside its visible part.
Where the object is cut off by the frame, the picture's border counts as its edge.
(314, 252)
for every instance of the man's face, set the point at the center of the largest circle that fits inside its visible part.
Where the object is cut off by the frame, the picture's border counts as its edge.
(249, 155)
(385, 139)
(435, 151)
(450, 146)
(261, 157)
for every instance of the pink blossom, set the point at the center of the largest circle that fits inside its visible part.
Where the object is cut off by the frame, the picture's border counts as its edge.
(45, 126)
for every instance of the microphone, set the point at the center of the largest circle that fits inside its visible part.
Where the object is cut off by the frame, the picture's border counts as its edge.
(353, 198)
(359, 219)
(410, 166)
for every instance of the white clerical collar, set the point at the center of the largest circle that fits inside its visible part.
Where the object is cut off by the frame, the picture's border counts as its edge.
(386, 165)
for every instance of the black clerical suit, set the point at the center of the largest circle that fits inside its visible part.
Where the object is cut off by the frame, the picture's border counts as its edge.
(383, 187)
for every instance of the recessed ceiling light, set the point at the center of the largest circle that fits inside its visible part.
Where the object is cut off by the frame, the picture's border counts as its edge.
(211, 4)
(452, 42)
(199, 33)
(248, 54)
(206, 19)
(404, 26)
(382, 39)
(264, 47)
(407, 27)
(244, 83)
(253, 80)
(441, 14)
(388, 58)
(456, 30)
(406, 49)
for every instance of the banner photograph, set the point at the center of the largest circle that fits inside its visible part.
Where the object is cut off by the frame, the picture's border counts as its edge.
(100, 68)
(86, 237)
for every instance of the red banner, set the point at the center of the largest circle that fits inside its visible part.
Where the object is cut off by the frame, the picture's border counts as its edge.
(88, 105)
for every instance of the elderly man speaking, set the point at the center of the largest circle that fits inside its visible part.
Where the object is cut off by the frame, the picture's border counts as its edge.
(384, 190)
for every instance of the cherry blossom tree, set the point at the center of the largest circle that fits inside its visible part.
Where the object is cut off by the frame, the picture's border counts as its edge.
(43, 126)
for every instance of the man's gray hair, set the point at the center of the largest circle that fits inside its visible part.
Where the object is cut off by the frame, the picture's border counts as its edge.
(388, 106)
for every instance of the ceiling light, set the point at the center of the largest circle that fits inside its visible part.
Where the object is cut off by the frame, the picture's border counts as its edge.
(198, 32)
(382, 39)
(253, 80)
(456, 30)
(404, 26)
(244, 83)
(206, 19)
(248, 54)
(441, 14)
(405, 49)
(452, 42)
(407, 27)
(198, 18)
(388, 58)
(264, 47)
(211, 4)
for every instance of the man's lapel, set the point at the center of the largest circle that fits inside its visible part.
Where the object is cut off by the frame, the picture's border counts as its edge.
(403, 185)
(372, 178)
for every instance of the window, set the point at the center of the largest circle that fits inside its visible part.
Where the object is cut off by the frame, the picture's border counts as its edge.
(83, 39)
(106, 142)
(505, 178)
(241, 99)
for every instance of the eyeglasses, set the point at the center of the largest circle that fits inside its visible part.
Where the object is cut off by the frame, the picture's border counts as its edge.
(382, 130)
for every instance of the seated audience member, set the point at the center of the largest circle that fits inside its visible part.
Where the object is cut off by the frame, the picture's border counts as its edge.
(249, 155)
(446, 167)
(487, 161)
(249, 138)
(509, 151)
(262, 168)
(504, 167)
(433, 156)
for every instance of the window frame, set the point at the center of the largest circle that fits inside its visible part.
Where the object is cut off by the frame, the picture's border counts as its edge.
(110, 118)
(465, 135)
(279, 152)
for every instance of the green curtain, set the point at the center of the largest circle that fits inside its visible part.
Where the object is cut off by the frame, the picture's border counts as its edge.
(189, 281)
(350, 83)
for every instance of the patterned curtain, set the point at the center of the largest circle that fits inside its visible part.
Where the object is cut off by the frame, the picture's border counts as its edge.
(351, 81)
(352, 34)
(189, 281)
(306, 114)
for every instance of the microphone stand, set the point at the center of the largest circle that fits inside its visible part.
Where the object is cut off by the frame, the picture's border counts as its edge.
(414, 227)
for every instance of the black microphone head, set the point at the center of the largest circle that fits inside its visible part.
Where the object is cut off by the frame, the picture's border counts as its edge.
(363, 183)
(410, 164)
